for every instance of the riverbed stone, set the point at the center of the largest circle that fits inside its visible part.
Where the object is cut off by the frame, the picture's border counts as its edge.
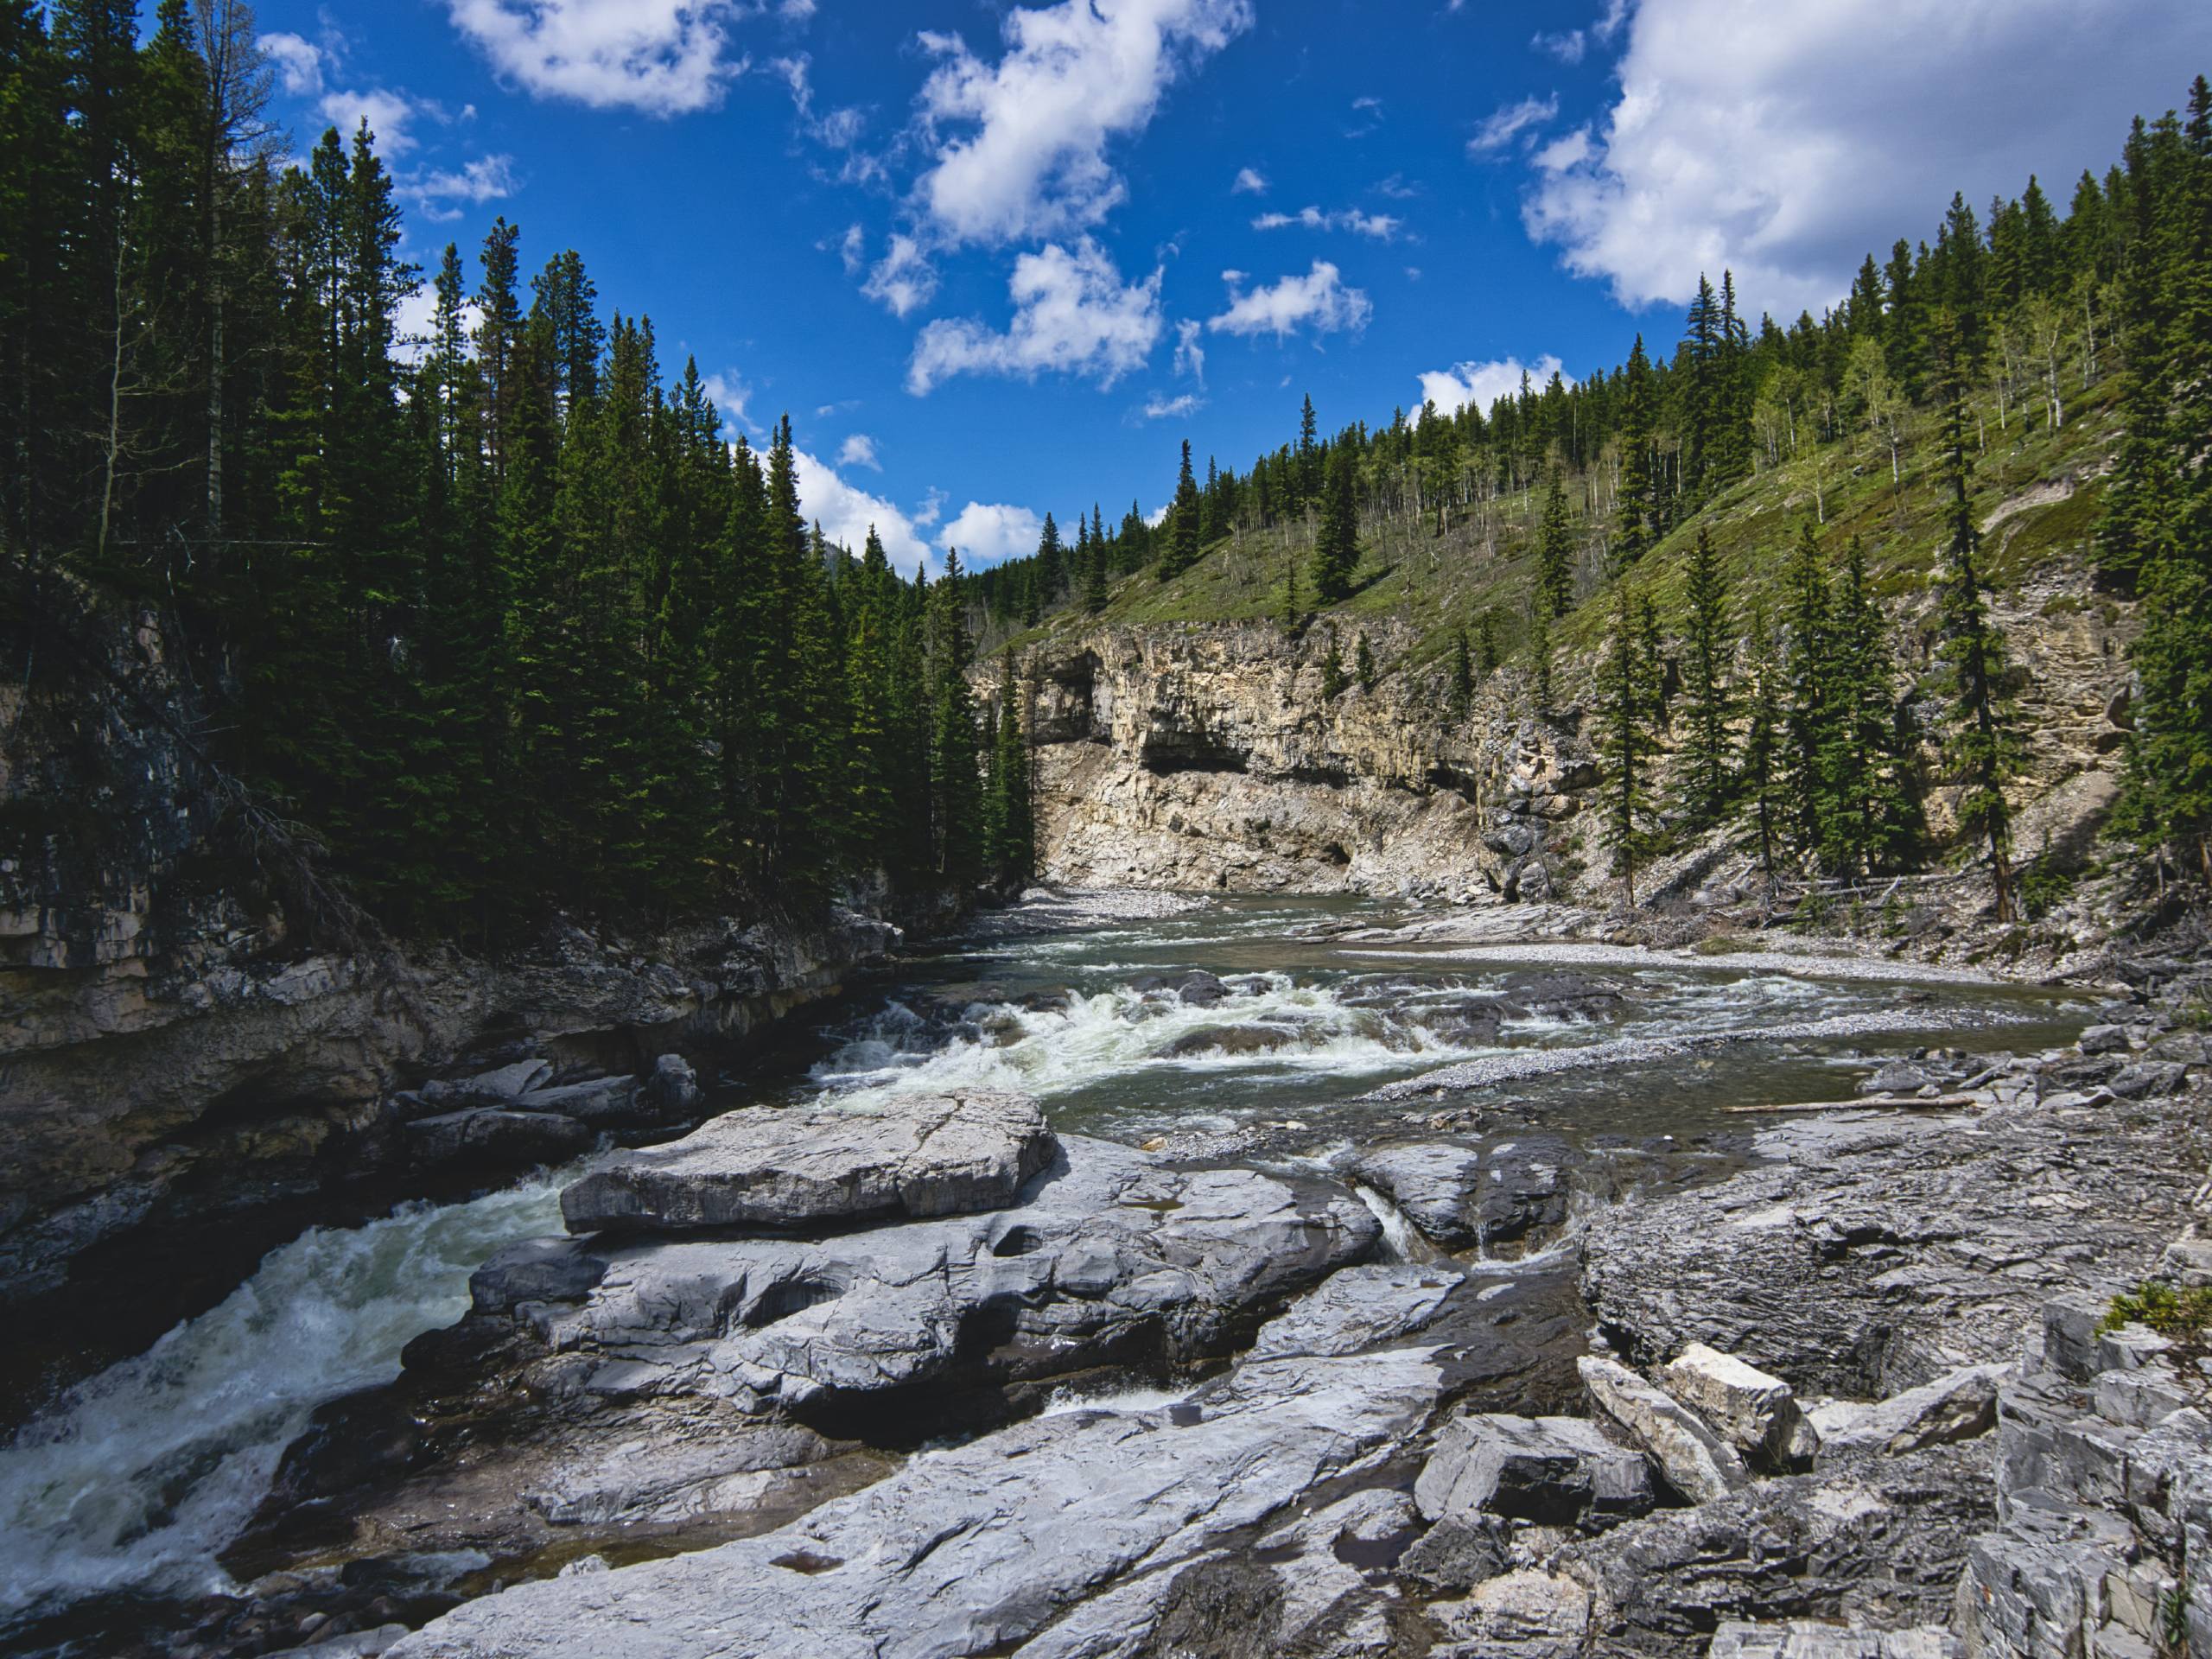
(1552, 1471)
(774, 1168)
(1358, 1308)
(1104, 1254)
(1805, 1638)
(487, 1135)
(1689, 1456)
(1757, 1413)
(1959, 1405)
(985, 1546)
(1468, 1195)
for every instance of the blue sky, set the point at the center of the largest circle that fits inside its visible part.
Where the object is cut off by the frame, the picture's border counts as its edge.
(1000, 259)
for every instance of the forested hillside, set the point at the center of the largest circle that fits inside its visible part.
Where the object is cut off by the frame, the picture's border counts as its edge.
(503, 618)
(1704, 543)
(498, 619)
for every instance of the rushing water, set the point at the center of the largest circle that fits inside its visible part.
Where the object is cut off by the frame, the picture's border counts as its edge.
(139, 1477)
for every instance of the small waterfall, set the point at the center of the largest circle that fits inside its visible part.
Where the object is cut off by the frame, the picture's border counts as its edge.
(1401, 1240)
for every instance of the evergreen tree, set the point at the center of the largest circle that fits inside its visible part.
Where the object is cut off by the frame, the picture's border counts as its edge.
(1293, 610)
(1364, 665)
(1486, 652)
(1707, 762)
(956, 800)
(1984, 743)
(1764, 773)
(1874, 819)
(1808, 719)
(1556, 552)
(1640, 516)
(1629, 748)
(1332, 671)
(1012, 812)
(1463, 675)
(1336, 548)
(1052, 578)
(1181, 550)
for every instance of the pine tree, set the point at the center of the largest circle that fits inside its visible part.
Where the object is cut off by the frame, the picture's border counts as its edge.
(1051, 577)
(1627, 747)
(1333, 682)
(1013, 811)
(1181, 550)
(1640, 517)
(1808, 719)
(1764, 773)
(1706, 764)
(1875, 821)
(1486, 652)
(1463, 675)
(956, 800)
(1293, 613)
(1336, 548)
(1307, 472)
(1556, 552)
(1984, 743)
(1363, 664)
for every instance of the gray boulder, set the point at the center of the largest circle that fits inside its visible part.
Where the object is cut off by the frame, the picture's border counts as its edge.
(1757, 1413)
(1803, 1638)
(1105, 1253)
(1689, 1456)
(1957, 1406)
(1554, 1471)
(1465, 1196)
(1357, 1308)
(770, 1168)
(673, 1086)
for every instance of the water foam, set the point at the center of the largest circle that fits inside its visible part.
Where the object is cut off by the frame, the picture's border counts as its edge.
(1057, 1049)
(140, 1476)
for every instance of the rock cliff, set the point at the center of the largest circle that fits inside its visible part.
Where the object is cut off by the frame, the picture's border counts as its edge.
(1206, 757)
(183, 1057)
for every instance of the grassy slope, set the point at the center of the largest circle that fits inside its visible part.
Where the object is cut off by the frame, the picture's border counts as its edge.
(1432, 585)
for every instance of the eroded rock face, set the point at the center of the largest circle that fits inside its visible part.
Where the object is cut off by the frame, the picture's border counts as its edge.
(772, 1169)
(1553, 1471)
(983, 1548)
(1103, 1256)
(1206, 758)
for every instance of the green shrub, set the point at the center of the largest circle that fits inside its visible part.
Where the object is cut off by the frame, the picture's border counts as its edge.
(2182, 1317)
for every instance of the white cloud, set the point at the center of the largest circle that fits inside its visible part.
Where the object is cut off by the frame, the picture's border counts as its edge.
(1566, 45)
(418, 313)
(1509, 121)
(1319, 301)
(1072, 314)
(795, 12)
(1030, 156)
(1483, 384)
(1569, 150)
(1158, 516)
(1610, 25)
(846, 511)
(1250, 182)
(488, 178)
(903, 280)
(987, 533)
(859, 450)
(666, 57)
(1788, 142)
(933, 507)
(1190, 356)
(852, 248)
(298, 61)
(731, 394)
(390, 116)
(1173, 409)
(1383, 227)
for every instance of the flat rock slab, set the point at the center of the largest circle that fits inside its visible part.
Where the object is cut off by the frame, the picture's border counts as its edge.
(988, 1546)
(776, 1170)
(1553, 1470)
(1104, 1254)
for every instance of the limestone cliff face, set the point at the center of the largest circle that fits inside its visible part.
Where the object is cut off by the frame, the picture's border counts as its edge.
(1206, 758)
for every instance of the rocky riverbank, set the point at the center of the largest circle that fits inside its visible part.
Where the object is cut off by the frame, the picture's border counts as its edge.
(970, 1386)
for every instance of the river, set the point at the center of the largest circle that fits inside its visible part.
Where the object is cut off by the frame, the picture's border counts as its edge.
(132, 1483)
